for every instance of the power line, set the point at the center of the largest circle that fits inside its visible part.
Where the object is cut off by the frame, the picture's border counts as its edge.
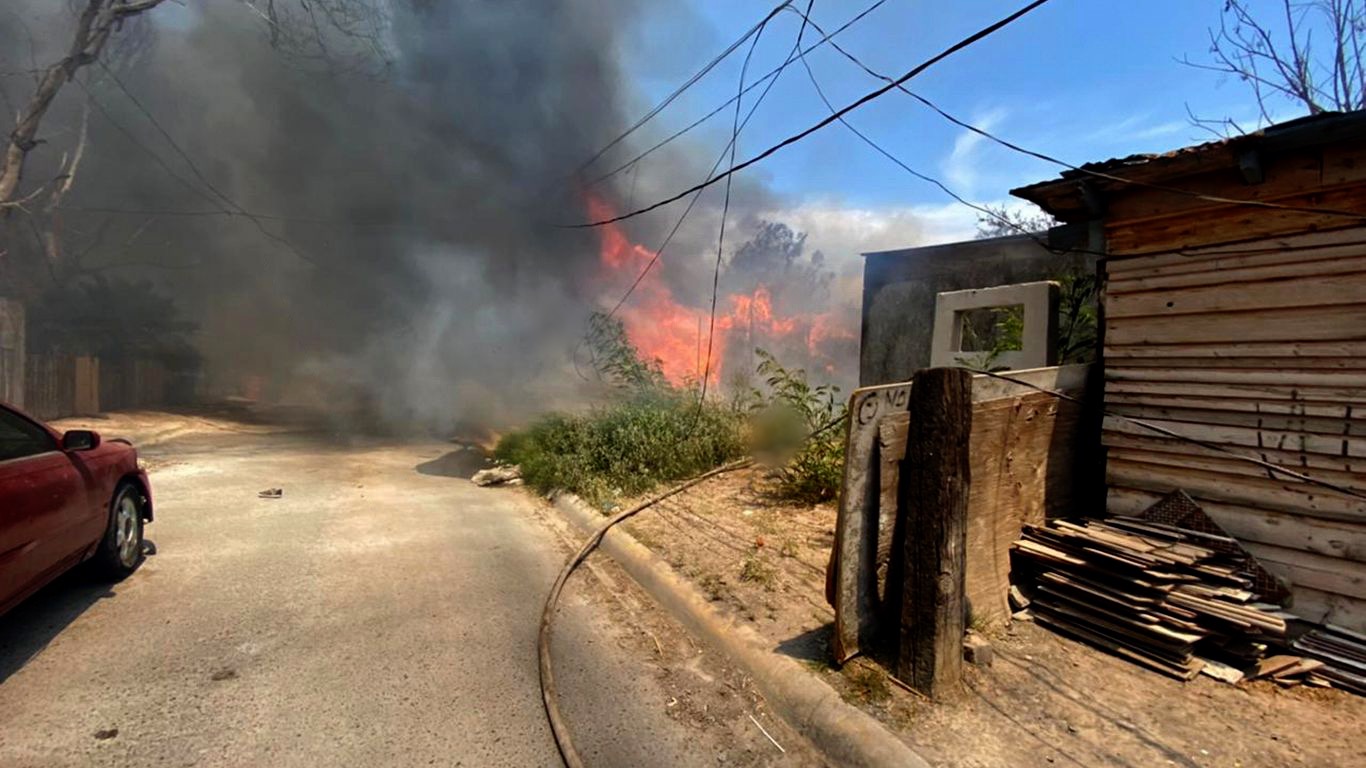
(947, 52)
(772, 74)
(725, 213)
(982, 209)
(1133, 182)
(1081, 169)
(684, 87)
(678, 224)
(772, 79)
(167, 136)
(128, 134)
(232, 204)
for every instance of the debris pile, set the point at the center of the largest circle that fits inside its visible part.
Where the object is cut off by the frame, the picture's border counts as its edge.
(506, 474)
(1173, 599)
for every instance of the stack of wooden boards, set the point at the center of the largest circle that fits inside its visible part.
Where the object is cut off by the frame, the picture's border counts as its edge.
(1342, 653)
(1173, 599)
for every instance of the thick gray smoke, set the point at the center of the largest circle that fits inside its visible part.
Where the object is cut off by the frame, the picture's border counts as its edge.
(416, 262)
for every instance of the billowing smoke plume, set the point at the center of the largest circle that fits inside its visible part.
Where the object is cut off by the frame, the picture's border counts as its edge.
(418, 174)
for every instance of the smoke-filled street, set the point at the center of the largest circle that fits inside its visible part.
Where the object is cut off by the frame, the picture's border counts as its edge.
(381, 612)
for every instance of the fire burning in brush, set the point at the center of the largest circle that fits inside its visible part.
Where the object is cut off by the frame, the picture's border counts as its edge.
(675, 334)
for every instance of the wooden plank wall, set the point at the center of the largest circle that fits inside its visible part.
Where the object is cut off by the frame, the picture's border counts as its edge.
(1260, 348)
(50, 386)
(12, 352)
(1024, 468)
(87, 387)
(116, 384)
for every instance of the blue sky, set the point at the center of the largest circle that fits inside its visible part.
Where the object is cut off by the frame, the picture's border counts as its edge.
(1079, 79)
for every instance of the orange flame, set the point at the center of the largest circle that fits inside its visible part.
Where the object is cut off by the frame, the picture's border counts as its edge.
(675, 335)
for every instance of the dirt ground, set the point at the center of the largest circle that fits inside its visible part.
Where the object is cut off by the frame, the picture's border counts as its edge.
(1045, 700)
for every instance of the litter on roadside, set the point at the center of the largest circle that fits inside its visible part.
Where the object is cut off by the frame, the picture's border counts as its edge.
(502, 475)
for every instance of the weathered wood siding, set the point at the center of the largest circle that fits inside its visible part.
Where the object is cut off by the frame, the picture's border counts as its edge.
(1027, 448)
(1031, 457)
(12, 352)
(50, 386)
(1260, 348)
(60, 385)
(87, 386)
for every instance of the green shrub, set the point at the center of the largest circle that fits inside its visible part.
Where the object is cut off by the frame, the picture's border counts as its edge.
(811, 467)
(653, 432)
(625, 448)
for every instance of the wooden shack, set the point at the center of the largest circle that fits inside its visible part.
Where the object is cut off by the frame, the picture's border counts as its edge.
(1234, 315)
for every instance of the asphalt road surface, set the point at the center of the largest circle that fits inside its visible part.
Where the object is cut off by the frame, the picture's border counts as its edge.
(382, 612)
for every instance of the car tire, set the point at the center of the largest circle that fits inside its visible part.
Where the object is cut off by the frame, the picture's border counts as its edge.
(121, 549)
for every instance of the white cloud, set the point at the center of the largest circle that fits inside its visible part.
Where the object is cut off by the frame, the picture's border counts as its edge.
(844, 233)
(961, 166)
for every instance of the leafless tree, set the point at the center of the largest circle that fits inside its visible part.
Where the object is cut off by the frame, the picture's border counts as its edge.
(1309, 55)
(97, 22)
(338, 36)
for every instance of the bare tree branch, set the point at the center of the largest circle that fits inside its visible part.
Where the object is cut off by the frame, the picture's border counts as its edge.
(1278, 60)
(52, 235)
(93, 28)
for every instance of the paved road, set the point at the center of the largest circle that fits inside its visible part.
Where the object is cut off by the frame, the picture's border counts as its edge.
(383, 612)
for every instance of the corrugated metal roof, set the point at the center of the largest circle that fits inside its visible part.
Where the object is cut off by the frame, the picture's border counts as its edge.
(1062, 197)
(1279, 129)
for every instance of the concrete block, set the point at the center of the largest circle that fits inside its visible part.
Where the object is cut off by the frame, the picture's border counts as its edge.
(977, 650)
(1039, 340)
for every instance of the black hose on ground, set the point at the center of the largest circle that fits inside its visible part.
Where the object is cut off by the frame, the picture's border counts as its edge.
(549, 693)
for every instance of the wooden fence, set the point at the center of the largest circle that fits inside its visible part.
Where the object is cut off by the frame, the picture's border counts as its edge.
(58, 385)
(1029, 456)
(11, 351)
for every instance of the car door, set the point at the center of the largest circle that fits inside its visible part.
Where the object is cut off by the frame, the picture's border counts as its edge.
(41, 494)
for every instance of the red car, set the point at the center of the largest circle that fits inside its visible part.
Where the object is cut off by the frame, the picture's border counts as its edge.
(66, 498)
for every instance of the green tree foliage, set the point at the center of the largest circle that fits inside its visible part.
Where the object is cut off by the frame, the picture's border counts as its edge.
(110, 317)
(1077, 317)
(1076, 323)
(1000, 221)
(617, 361)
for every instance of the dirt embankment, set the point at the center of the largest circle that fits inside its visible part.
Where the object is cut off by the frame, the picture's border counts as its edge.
(1046, 700)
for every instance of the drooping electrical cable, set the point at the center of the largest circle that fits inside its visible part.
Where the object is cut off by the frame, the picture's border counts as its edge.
(735, 168)
(1094, 173)
(769, 76)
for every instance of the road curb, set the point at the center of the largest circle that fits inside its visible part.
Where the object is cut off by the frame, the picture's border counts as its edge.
(842, 733)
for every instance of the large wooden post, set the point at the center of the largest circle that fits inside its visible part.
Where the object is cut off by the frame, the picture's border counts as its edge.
(933, 496)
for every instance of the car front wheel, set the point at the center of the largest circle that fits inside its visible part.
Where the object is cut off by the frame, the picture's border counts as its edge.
(121, 550)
